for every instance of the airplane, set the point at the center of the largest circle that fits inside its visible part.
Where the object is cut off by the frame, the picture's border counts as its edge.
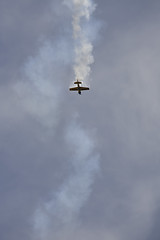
(78, 88)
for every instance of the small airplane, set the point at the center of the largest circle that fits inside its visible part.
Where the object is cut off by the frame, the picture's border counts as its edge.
(78, 88)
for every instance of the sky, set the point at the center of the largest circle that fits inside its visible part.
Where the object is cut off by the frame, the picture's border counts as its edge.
(71, 166)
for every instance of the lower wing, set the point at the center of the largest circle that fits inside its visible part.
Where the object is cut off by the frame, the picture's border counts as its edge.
(74, 89)
(84, 88)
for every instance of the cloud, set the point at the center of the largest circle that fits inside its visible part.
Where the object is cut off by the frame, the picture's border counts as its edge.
(38, 96)
(47, 154)
(128, 101)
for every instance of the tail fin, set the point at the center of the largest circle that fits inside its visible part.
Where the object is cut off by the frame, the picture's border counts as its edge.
(77, 82)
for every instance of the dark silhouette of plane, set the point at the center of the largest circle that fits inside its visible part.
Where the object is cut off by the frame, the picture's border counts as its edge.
(78, 88)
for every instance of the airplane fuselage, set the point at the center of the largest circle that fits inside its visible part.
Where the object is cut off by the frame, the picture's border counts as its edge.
(79, 90)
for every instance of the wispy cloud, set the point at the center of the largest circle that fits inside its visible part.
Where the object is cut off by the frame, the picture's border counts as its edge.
(61, 212)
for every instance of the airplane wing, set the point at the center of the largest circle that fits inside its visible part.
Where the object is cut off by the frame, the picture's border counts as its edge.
(74, 89)
(84, 88)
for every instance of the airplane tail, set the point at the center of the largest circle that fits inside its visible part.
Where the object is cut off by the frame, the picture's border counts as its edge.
(77, 82)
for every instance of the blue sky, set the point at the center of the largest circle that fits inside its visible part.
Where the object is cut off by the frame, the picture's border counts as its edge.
(79, 166)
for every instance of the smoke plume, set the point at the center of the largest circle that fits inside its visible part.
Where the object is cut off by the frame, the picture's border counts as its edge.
(40, 98)
(40, 93)
(59, 216)
(81, 13)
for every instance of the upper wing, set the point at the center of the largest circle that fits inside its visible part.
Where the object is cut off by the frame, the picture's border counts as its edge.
(74, 89)
(84, 88)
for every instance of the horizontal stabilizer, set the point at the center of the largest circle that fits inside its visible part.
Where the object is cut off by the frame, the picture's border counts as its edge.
(77, 82)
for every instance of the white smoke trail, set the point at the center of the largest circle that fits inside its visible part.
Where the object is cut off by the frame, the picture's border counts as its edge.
(81, 12)
(60, 213)
(40, 98)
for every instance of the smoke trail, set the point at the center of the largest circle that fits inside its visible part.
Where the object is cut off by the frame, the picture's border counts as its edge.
(41, 99)
(61, 212)
(81, 12)
(40, 94)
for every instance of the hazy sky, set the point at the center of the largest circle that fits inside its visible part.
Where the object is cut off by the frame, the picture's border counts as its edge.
(79, 167)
